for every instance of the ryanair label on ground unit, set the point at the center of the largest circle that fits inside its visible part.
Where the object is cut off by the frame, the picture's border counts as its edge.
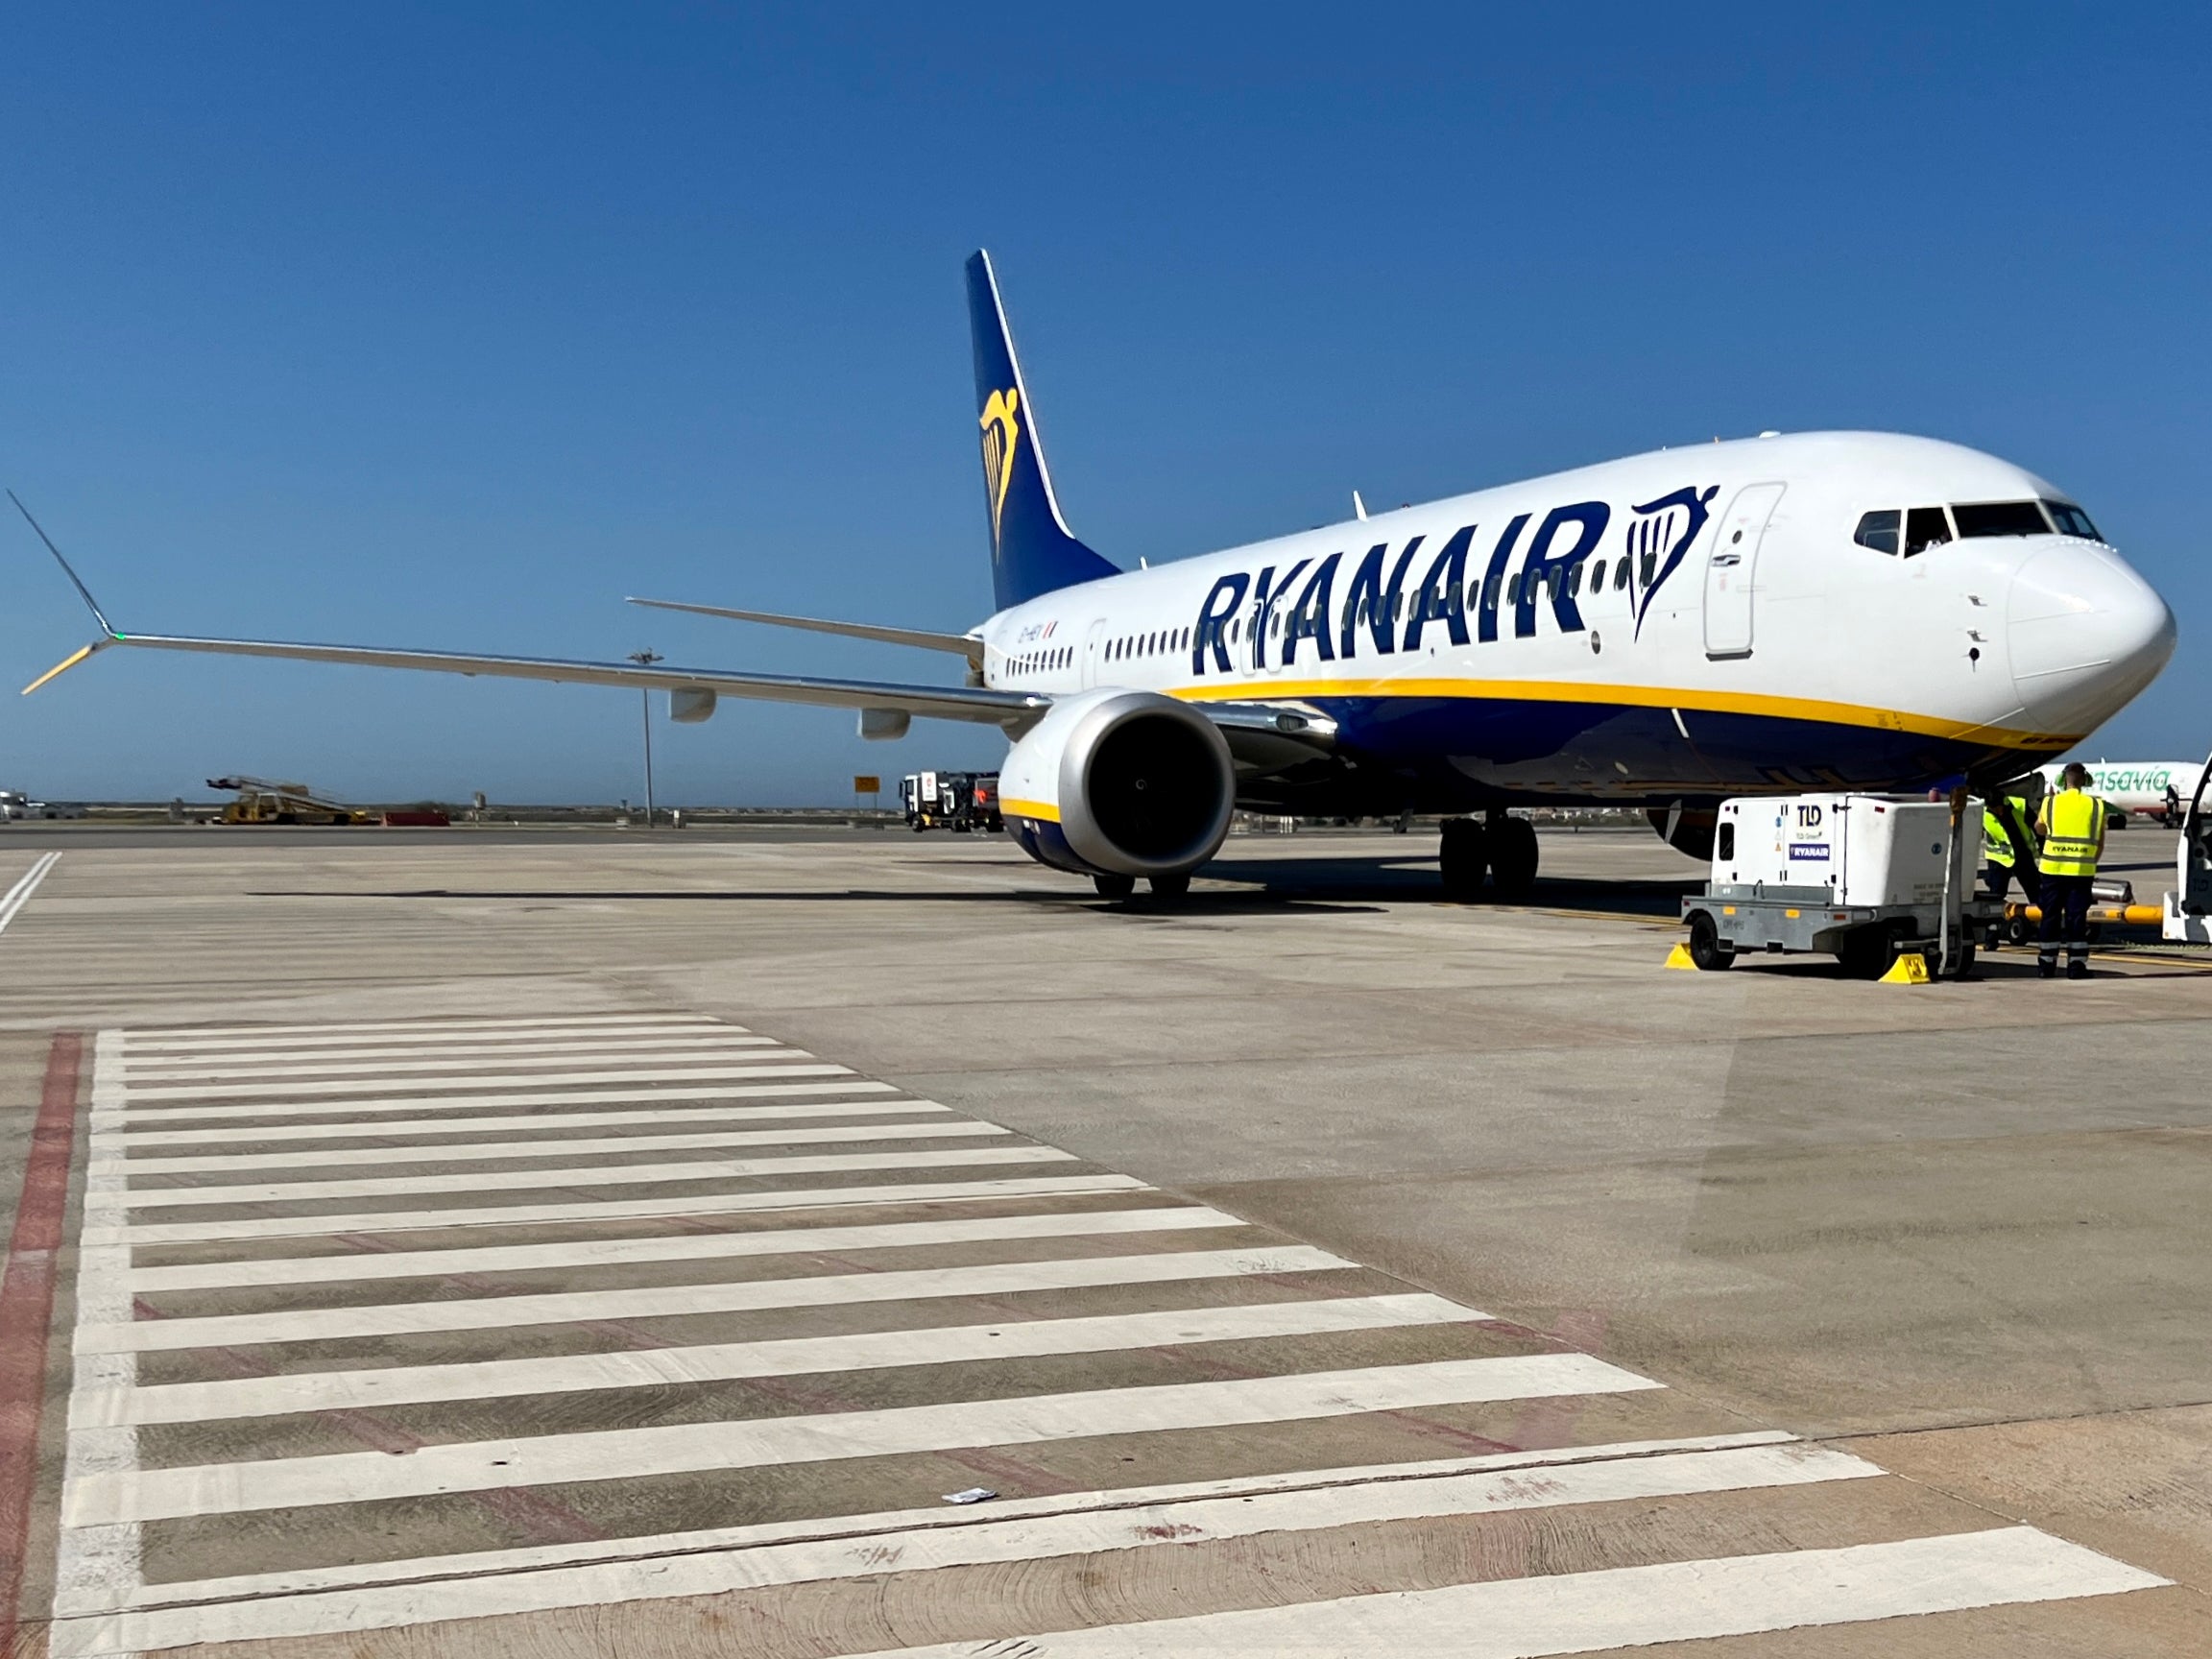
(1265, 616)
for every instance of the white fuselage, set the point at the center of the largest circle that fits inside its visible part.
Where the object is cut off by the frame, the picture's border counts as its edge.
(1693, 620)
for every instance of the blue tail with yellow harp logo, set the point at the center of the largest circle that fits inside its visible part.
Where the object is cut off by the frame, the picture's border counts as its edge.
(1031, 549)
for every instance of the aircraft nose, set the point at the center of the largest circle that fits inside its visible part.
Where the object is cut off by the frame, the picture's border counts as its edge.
(2085, 633)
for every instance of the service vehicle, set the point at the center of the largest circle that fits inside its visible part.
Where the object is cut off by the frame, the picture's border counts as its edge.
(960, 802)
(15, 804)
(2186, 917)
(918, 799)
(985, 796)
(263, 802)
(1862, 877)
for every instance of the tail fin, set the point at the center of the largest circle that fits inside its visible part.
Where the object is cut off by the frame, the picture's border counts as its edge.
(1031, 551)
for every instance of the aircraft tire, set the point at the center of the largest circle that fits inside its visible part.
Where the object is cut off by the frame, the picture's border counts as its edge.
(1513, 859)
(1463, 854)
(1171, 889)
(1115, 887)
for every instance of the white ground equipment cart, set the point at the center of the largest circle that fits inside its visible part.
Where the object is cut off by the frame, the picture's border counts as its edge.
(1860, 877)
(2188, 913)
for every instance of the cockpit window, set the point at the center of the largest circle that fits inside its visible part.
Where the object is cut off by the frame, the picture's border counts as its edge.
(2072, 520)
(1878, 530)
(2000, 518)
(1925, 527)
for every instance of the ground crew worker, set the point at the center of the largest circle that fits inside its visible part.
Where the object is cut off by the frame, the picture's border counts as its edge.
(2002, 821)
(2072, 825)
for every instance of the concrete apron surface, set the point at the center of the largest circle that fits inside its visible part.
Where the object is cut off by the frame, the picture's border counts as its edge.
(574, 1246)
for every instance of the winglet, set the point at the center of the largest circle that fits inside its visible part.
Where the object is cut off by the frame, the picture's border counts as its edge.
(68, 663)
(82, 592)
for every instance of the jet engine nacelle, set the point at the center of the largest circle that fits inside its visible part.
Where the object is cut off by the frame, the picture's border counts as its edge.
(1119, 783)
(1686, 828)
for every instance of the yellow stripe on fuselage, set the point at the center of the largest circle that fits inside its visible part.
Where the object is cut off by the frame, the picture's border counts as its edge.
(1811, 709)
(1036, 810)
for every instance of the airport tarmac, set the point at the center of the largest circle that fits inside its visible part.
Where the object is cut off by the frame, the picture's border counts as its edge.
(596, 1245)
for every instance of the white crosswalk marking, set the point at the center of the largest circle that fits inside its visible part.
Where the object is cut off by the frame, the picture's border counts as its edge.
(1624, 1607)
(643, 1319)
(459, 1106)
(426, 1033)
(919, 1546)
(696, 1246)
(327, 1224)
(611, 1175)
(679, 1301)
(133, 1140)
(758, 1066)
(352, 1477)
(393, 1058)
(341, 1390)
(400, 1384)
(186, 1163)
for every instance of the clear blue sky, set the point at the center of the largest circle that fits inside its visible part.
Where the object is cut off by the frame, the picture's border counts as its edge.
(451, 326)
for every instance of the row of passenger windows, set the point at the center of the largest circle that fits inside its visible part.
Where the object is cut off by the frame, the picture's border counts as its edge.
(1038, 662)
(1557, 581)
(1149, 644)
(1915, 530)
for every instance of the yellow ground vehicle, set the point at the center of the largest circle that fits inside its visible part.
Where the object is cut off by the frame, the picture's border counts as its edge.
(261, 802)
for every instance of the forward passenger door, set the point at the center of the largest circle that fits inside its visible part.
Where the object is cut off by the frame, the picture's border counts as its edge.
(1730, 568)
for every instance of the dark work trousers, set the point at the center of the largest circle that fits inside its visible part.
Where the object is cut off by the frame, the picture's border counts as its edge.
(2065, 901)
(2000, 878)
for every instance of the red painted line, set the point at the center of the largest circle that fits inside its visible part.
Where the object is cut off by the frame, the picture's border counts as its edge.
(27, 1312)
(1550, 1423)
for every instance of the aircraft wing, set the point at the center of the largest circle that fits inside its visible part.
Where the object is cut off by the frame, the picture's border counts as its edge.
(961, 645)
(976, 704)
(1014, 709)
(1264, 737)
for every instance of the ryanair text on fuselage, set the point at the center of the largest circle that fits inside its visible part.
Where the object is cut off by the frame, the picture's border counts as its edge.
(1377, 606)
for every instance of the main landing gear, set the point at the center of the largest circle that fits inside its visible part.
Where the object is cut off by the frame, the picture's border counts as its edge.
(1166, 889)
(1501, 845)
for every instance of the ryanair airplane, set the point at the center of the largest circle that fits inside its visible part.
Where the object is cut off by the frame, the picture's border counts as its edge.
(1818, 610)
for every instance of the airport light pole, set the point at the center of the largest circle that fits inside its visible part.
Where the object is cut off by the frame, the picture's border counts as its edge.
(646, 660)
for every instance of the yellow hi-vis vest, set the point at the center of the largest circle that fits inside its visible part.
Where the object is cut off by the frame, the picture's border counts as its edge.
(1996, 840)
(2072, 825)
